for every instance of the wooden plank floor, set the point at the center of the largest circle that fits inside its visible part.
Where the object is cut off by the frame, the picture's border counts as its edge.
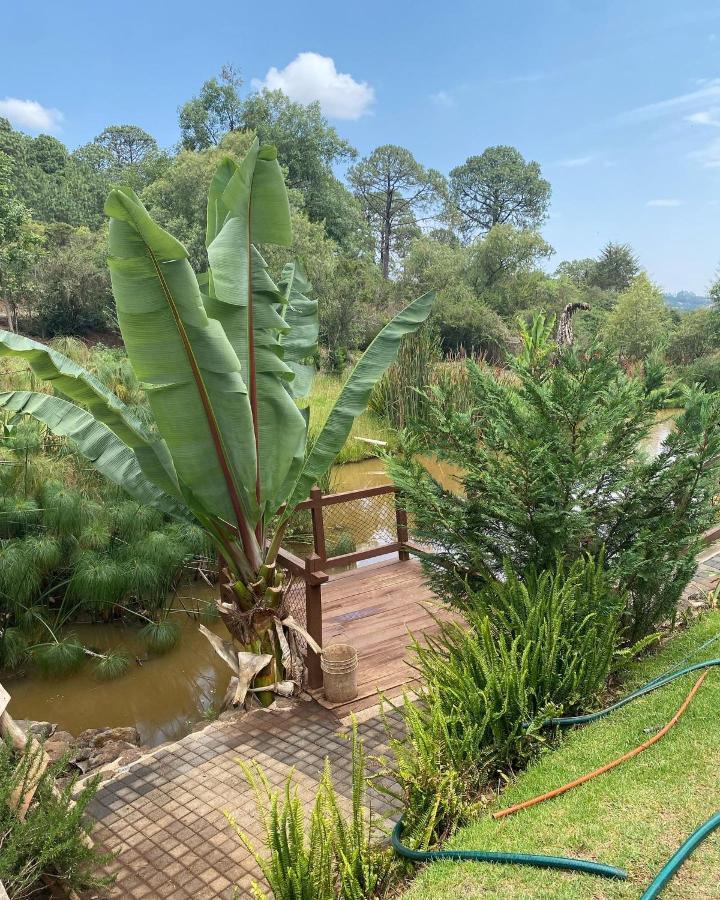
(375, 608)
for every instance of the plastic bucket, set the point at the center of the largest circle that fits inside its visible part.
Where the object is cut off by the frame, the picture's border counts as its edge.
(339, 663)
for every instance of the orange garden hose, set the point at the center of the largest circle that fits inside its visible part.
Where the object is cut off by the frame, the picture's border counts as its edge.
(608, 766)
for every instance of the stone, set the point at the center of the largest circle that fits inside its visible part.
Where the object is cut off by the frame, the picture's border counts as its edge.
(41, 730)
(107, 753)
(99, 737)
(56, 749)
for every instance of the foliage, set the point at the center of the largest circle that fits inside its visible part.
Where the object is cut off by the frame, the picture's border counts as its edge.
(496, 188)
(71, 553)
(705, 371)
(395, 191)
(615, 268)
(20, 240)
(655, 801)
(177, 199)
(123, 153)
(527, 647)
(553, 465)
(696, 335)
(51, 839)
(207, 118)
(224, 356)
(401, 394)
(310, 148)
(334, 855)
(639, 322)
(53, 184)
(73, 293)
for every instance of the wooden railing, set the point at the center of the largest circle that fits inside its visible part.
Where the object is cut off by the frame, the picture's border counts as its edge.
(312, 569)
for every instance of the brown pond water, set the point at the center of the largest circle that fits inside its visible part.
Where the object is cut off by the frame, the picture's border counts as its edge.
(166, 695)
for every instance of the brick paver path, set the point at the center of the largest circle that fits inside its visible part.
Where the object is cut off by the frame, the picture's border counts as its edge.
(165, 819)
(165, 816)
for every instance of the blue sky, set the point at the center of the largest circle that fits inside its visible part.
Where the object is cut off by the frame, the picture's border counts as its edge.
(619, 101)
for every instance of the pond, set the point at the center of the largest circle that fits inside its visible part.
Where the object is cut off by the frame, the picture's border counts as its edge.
(166, 695)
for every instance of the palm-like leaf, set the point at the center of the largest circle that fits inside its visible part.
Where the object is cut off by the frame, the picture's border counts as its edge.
(186, 364)
(82, 388)
(95, 441)
(248, 204)
(300, 342)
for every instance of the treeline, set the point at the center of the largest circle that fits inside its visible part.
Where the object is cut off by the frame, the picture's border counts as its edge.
(389, 230)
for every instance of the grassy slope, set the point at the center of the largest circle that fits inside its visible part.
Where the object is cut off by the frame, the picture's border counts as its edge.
(326, 390)
(634, 816)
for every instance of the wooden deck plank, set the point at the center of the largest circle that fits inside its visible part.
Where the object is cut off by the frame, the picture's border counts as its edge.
(392, 601)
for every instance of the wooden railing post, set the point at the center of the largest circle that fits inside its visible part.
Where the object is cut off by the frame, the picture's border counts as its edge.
(313, 618)
(402, 527)
(318, 526)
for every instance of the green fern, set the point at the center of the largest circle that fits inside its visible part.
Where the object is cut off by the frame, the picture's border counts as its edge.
(328, 856)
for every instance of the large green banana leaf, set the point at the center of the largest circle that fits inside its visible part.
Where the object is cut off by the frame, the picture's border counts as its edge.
(355, 394)
(110, 455)
(185, 363)
(83, 388)
(301, 341)
(248, 204)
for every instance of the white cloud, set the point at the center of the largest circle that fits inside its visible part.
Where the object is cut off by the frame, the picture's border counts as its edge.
(30, 114)
(710, 90)
(442, 98)
(705, 117)
(311, 77)
(665, 202)
(574, 162)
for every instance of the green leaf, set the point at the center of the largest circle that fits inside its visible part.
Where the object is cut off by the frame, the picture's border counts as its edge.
(300, 342)
(185, 363)
(355, 394)
(97, 443)
(248, 203)
(84, 389)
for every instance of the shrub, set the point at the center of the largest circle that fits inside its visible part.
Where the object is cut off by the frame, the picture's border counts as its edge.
(553, 467)
(51, 839)
(529, 648)
(332, 855)
(704, 371)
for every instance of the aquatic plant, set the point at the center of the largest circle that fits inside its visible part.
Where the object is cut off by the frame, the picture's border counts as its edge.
(223, 357)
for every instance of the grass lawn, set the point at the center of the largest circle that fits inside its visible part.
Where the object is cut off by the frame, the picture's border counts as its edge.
(326, 390)
(634, 817)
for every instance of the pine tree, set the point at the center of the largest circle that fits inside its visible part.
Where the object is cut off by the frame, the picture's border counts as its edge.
(553, 466)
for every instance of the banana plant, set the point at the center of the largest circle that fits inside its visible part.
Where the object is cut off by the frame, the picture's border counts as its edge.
(223, 357)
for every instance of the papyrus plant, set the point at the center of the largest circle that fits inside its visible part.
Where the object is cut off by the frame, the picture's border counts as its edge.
(223, 356)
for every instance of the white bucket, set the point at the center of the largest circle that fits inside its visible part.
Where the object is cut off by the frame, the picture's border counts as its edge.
(339, 663)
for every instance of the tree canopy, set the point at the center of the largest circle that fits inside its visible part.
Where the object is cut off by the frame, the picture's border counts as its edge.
(496, 188)
(395, 191)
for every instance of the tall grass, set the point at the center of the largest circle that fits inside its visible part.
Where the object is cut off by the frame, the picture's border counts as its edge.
(402, 397)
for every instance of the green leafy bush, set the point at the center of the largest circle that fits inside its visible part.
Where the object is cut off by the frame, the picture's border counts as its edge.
(51, 840)
(528, 649)
(331, 855)
(553, 465)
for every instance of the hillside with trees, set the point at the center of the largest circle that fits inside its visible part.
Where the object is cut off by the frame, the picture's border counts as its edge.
(388, 229)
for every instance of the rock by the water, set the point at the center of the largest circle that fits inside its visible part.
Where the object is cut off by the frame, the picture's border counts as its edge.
(99, 737)
(40, 730)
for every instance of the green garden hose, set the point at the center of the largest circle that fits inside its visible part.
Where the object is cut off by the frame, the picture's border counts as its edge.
(568, 863)
(523, 859)
(679, 857)
(640, 692)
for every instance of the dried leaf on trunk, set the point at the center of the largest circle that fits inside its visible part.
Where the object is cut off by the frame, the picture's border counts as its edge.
(289, 622)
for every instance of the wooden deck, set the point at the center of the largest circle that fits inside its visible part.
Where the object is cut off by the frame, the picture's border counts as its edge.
(375, 608)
